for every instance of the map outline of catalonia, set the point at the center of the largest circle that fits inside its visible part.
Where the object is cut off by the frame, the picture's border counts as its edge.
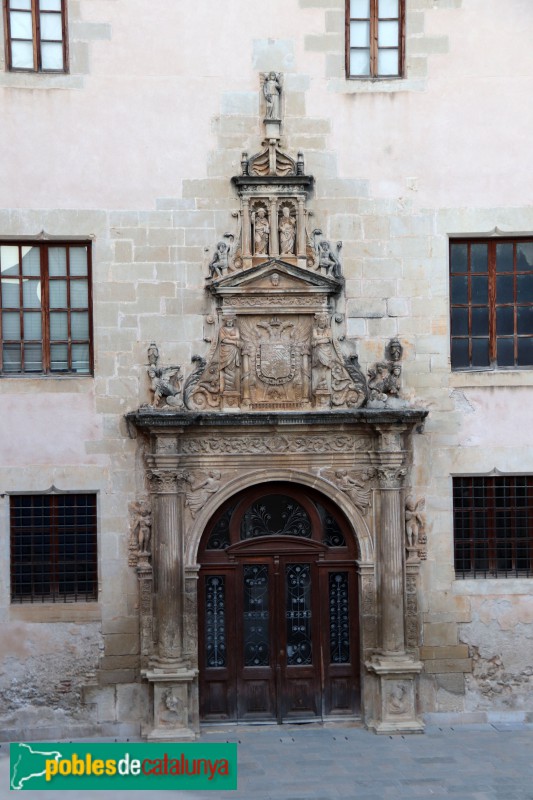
(18, 786)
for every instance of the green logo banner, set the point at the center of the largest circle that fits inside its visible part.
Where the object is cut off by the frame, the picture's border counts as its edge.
(151, 766)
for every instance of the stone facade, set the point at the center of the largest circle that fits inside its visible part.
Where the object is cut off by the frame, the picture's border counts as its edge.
(398, 166)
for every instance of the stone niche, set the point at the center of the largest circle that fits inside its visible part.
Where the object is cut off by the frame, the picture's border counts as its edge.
(276, 398)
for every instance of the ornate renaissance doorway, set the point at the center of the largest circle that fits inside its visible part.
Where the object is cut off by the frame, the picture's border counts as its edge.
(278, 609)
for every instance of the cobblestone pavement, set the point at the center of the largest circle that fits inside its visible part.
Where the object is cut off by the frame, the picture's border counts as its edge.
(468, 762)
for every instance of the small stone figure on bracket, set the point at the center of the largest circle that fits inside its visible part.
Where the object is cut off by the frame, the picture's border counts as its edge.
(415, 529)
(165, 382)
(272, 92)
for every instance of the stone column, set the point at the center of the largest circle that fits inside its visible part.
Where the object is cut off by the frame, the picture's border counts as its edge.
(396, 671)
(301, 245)
(172, 679)
(391, 547)
(246, 227)
(274, 239)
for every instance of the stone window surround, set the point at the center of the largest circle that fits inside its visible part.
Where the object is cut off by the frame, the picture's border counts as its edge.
(80, 36)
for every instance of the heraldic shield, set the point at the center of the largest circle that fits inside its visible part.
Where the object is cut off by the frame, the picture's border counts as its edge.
(275, 363)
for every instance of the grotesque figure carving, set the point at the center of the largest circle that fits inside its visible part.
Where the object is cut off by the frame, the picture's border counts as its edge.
(165, 382)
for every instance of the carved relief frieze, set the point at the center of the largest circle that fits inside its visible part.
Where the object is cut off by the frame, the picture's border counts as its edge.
(411, 607)
(263, 445)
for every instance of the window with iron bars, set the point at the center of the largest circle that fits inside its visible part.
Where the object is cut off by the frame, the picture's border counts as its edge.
(53, 548)
(493, 527)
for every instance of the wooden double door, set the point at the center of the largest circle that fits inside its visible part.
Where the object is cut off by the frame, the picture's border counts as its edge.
(278, 611)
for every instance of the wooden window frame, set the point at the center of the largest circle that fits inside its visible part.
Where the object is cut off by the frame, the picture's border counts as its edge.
(493, 304)
(46, 310)
(36, 39)
(374, 74)
(54, 548)
(493, 528)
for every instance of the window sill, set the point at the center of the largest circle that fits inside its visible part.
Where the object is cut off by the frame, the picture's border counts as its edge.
(489, 378)
(55, 612)
(373, 85)
(492, 586)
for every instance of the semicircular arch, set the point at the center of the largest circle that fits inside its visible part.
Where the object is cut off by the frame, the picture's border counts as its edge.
(356, 522)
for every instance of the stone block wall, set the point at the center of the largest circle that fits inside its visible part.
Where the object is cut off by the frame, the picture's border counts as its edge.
(391, 193)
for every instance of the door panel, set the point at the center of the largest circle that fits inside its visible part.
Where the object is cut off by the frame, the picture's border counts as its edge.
(255, 652)
(299, 654)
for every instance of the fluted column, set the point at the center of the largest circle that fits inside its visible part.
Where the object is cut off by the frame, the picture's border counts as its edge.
(391, 473)
(168, 503)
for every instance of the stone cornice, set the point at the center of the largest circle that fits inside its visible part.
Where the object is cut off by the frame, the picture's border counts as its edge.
(149, 420)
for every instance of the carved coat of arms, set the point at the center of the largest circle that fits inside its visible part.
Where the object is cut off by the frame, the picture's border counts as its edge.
(275, 362)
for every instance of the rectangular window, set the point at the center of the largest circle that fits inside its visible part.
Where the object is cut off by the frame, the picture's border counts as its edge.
(36, 32)
(491, 295)
(45, 324)
(374, 38)
(493, 527)
(53, 548)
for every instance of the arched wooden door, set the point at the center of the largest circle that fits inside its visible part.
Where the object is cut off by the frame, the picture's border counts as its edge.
(278, 637)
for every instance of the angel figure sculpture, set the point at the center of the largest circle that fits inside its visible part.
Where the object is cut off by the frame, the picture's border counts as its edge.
(199, 492)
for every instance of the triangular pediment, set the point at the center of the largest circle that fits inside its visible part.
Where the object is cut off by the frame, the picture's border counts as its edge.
(276, 276)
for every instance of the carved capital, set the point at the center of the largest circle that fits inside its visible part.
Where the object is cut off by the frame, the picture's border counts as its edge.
(167, 481)
(391, 477)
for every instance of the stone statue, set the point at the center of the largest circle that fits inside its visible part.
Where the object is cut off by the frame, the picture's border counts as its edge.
(328, 260)
(414, 527)
(199, 493)
(272, 93)
(385, 376)
(287, 232)
(230, 354)
(165, 382)
(141, 527)
(261, 232)
(219, 264)
(323, 350)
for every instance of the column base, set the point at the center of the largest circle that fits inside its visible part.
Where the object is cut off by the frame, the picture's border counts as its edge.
(175, 704)
(395, 701)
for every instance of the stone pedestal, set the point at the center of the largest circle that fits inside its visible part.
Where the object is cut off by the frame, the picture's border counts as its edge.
(174, 704)
(395, 704)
